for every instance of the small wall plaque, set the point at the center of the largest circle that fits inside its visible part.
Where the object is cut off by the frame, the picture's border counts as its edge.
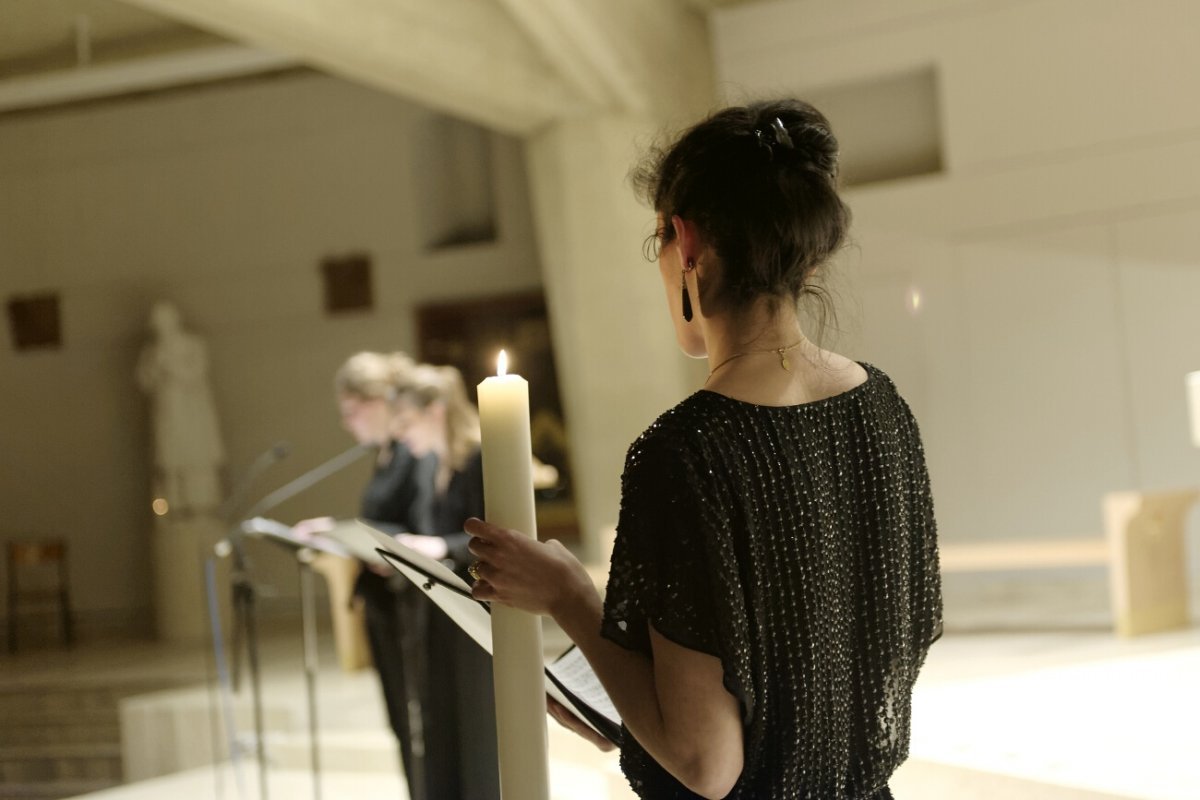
(347, 283)
(34, 321)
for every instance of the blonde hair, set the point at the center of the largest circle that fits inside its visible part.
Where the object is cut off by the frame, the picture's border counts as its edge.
(432, 384)
(374, 376)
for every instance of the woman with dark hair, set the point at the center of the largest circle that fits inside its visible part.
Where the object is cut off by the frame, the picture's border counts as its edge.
(774, 585)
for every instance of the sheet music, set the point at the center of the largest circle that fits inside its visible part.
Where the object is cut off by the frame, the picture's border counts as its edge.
(574, 672)
(453, 596)
(435, 569)
(283, 534)
(352, 538)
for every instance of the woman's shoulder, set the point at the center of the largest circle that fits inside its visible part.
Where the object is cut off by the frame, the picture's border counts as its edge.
(675, 434)
(675, 422)
(694, 423)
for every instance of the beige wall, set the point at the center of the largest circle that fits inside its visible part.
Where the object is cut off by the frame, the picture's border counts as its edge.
(1057, 256)
(223, 200)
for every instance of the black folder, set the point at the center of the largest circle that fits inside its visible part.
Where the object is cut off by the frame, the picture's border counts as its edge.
(569, 678)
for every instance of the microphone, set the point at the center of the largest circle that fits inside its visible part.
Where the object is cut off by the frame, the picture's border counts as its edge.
(274, 453)
(313, 476)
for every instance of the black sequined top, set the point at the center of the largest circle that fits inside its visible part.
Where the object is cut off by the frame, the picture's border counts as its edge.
(798, 545)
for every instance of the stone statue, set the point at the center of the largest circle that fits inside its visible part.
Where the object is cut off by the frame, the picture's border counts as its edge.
(188, 455)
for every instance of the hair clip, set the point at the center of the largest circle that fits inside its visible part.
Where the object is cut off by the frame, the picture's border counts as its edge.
(781, 135)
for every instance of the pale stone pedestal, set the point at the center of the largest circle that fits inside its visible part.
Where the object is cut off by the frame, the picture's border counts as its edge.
(180, 547)
(1148, 571)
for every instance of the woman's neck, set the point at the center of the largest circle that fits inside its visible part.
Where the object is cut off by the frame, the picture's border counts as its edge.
(441, 450)
(385, 451)
(756, 333)
(762, 356)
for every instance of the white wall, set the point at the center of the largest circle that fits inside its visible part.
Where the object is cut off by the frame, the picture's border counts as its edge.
(223, 200)
(1058, 255)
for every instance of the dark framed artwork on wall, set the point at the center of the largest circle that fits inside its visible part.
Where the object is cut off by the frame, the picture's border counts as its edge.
(34, 321)
(347, 283)
(469, 334)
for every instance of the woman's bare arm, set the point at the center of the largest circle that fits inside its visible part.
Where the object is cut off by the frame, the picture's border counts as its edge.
(675, 704)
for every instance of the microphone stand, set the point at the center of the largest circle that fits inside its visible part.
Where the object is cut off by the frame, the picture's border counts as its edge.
(245, 625)
(260, 464)
(308, 624)
(244, 597)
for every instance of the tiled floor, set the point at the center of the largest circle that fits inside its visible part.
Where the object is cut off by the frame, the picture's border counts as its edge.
(1084, 710)
(1056, 715)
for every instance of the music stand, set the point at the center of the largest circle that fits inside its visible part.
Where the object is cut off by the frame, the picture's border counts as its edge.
(244, 602)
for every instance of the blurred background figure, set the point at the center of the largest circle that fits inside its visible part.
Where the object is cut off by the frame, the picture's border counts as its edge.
(439, 422)
(397, 496)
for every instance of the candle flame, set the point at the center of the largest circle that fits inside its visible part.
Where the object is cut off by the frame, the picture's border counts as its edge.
(502, 363)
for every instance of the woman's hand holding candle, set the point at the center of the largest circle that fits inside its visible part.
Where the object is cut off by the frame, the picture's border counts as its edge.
(538, 577)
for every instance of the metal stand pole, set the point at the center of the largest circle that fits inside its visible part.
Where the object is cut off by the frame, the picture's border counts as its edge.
(221, 706)
(244, 598)
(308, 621)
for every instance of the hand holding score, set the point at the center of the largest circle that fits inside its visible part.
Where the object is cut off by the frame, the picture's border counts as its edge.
(563, 716)
(519, 571)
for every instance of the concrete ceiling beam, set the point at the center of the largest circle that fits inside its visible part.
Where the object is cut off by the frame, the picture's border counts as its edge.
(621, 55)
(467, 58)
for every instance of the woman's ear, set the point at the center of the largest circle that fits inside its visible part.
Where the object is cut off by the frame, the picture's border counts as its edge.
(688, 239)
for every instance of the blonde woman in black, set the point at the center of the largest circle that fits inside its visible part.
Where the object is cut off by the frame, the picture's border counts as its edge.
(397, 495)
(456, 696)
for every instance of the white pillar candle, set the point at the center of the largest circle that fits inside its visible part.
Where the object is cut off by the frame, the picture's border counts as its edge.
(1193, 395)
(517, 661)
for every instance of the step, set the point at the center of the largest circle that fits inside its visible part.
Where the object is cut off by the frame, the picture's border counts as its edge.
(66, 699)
(64, 731)
(61, 700)
(27, 764)
(53, 790)
(75, 728)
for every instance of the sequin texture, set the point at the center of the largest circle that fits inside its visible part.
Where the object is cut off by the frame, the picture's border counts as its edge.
(798, 545)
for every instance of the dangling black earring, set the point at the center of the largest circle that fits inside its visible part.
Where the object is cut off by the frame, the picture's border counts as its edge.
(687, 300)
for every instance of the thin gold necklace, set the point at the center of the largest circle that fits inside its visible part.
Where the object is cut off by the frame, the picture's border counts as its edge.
(779, 351)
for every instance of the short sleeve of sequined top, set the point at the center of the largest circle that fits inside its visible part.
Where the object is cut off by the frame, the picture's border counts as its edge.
(660, 572)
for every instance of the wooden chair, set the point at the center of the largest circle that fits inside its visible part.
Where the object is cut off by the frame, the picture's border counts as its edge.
(26, 559)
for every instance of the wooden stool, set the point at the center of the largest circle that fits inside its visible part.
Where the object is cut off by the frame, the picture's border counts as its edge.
(48, 556)
(1149, 569)
(349, 628)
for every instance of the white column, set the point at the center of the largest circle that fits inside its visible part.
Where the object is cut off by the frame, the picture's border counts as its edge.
(618, 363)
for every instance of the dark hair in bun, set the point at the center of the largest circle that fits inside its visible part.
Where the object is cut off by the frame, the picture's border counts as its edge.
(760, 183)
